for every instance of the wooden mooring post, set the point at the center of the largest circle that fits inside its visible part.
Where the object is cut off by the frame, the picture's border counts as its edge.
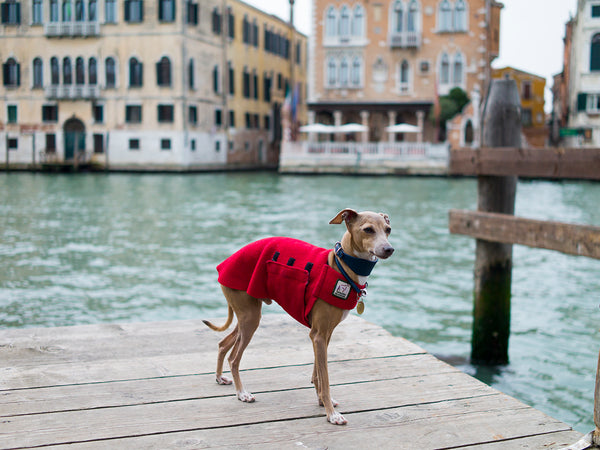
(493, 260)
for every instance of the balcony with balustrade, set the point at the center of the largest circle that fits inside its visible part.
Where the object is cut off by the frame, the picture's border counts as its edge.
(72, 91)
(72, 29)
(405, 39)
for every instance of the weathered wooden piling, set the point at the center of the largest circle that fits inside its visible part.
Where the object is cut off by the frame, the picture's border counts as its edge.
(493, 260)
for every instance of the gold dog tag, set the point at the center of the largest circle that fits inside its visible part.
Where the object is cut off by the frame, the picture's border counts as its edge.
(360, 308)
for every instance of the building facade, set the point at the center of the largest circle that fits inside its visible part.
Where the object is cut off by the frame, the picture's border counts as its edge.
(576, 115)
(380, 63)
(148, 85)
(531, 91)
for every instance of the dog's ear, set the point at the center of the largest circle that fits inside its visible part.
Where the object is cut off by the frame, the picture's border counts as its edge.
(385, 217)
(344, 215)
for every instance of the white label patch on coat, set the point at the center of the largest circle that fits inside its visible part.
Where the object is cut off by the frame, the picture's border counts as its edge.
(341, 290)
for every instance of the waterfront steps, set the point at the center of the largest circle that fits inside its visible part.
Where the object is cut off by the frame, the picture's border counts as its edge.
(151, 386)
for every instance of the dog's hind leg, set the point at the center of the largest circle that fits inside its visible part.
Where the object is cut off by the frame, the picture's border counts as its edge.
(224, 347)
(248, 312)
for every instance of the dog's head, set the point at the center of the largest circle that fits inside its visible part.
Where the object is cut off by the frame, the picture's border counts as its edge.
(369, 232)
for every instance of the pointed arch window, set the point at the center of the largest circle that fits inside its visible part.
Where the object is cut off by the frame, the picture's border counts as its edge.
(331, 72)
(38, 73)
(344, 72)
(457, 74)
(460, 16)
(345, 22)
(358, 21)
(412, 17)
(445, 16)
(67, 71)
(404, 76)
(444, 69)
(331, 22)
(79, 71)
(356, 71)
(54, 71)
(92, 71)
(11, 71)
(398, 17)
(595, 53)
(110, 72)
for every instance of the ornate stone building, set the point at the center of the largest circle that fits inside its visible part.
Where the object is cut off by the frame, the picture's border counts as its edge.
(149, 85)
(384, 62)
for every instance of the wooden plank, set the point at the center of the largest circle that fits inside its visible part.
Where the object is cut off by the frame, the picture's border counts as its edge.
(179, 388)
(447, 425)
(148, 419)
(580, 240)
(559, 163)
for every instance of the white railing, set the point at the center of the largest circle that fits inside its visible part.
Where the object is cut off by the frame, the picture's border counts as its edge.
(405, 39)
(73, 91)
(377, 150)
(84, 28)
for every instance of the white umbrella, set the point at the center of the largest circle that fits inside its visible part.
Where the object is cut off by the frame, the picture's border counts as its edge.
(403, 128)
(317, 128)
(352, 128)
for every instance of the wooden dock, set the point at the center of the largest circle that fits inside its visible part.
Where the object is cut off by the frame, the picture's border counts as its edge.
(151, 386)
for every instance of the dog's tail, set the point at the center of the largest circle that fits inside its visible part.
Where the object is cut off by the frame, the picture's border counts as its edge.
(224, 327)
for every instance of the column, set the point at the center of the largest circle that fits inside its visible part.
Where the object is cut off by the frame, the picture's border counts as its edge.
(391, 122)
(337, 121)
(311, 120)
(420, 123)
(364, 115)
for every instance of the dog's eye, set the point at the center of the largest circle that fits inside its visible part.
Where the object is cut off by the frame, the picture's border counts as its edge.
(369, 230)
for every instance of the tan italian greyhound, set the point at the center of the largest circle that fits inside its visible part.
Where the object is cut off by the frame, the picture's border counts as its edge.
(325, 298)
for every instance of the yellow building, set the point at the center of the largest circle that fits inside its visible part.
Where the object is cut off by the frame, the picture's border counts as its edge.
(138, 85)
(531, 89)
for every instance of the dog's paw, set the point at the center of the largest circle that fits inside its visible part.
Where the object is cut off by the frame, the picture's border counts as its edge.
(247, 397)
(337, 419)
(221, 379)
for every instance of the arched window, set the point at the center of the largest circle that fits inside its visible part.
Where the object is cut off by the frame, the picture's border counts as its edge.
(38, 73)
(445, 16)
(79, 11)
(11, 73)
(331, 22)
(469, 134)
(398, 17)
(444, 69)
(163, 72)
(460, 16)
(79, 71)
(92, 71)
(358, 21)
(595, 53)
(404, 76)
(344, 72)
(457, 73)
(356, 71)
(110, 69)
(92, 10)
(412, 18)
(67, 71)
(345, 22)
(135, 73)
(331, 72)
(54, 15)
(67, 12)
(54, 71)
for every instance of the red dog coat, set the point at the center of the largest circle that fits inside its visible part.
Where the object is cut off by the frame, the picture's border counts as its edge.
(294, 273)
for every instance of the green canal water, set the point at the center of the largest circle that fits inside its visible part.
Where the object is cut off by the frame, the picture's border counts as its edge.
(80, 249)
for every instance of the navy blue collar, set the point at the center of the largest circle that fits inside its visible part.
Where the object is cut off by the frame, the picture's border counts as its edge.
(359, 266)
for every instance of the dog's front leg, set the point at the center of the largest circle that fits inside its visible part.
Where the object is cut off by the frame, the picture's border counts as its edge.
(321, 376)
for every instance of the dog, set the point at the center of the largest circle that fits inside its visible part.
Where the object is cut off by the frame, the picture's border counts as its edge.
(317, 286)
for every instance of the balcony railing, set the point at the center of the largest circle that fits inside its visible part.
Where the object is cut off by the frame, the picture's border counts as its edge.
(72, 28)
(405, 39)
(73, 91)
(372, 150)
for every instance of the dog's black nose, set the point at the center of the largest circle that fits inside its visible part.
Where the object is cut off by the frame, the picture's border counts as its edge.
(388, 251)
